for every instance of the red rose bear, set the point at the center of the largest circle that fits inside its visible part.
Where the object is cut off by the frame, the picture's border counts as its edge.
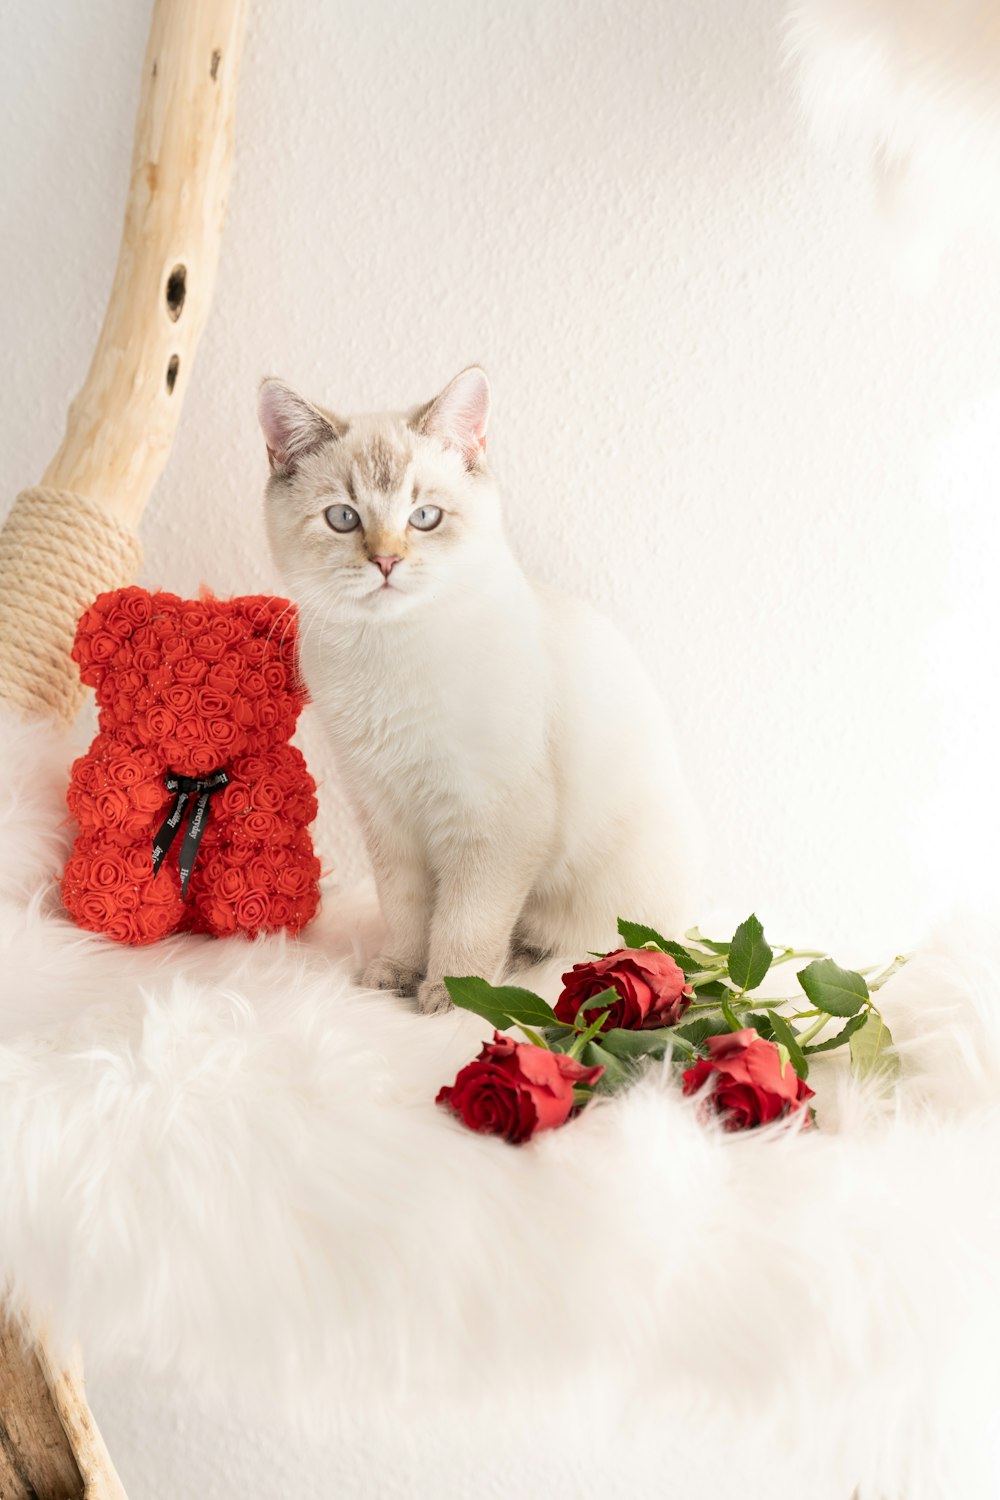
(193, 807)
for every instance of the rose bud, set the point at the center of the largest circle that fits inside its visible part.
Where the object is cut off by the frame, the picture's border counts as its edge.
(750, 1084)
(650, 985)
(514, 1089)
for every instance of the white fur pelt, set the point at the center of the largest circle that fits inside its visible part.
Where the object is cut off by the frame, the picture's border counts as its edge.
(917, 82)
(224, 1159)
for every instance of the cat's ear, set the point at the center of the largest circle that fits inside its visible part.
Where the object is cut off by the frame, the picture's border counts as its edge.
(291, 426)
(458, 417)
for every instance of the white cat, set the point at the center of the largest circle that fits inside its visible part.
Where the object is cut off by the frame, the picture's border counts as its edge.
(506, 754)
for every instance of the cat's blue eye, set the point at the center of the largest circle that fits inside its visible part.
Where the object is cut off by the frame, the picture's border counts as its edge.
(426, 517)
(342, 517)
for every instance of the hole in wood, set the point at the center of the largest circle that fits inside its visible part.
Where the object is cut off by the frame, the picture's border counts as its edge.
(176, 291)
(216, 59)
(173, 365)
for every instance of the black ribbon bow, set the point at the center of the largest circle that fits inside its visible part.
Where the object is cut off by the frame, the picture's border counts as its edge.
(200, 787)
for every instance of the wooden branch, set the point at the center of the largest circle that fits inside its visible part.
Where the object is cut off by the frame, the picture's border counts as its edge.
(50, 1448)
(73, 536)
(121, 424)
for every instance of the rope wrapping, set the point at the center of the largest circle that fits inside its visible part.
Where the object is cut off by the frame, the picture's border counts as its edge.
(58, 550)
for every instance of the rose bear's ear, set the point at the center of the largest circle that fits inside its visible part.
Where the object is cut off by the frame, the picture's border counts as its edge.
(105, 627)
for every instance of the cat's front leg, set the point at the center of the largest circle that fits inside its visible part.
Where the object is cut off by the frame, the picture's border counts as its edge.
(480, 894)
(405, 895)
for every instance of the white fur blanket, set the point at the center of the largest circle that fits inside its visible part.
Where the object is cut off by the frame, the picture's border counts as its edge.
(226, 1160)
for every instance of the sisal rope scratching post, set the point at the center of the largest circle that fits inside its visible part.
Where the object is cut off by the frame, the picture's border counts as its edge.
(74, 535)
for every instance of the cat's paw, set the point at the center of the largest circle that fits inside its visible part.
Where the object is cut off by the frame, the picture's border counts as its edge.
(384, 973)
(432, 997)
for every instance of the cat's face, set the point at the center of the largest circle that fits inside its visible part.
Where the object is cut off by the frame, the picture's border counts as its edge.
(373, 516)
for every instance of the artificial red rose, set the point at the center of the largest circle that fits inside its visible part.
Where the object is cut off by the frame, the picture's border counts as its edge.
(173, 648)
(147, 660)
(149, 796)
(253, 910)
(231, 884)
(253, 684)
(281, 911)
(225, 628)
(95, 909)
(224, 735)
(254, 651)
(180, 699)
(126, 770)
(292, 881)
(275, 676)
(650, 985)
(107, 872)
(103, 646)
(267, 795)
(515, 1090)
(124, 928)
(195, 619)
(136, 604)
(268, 714)
(261, 825)
(158, 723)
(151, 922)
(113, 806)
(750, 1085)
(234, 799)
(138, 863)
(189, 670)
(209, 647)
(191, 731)
(221, 677)
(203, 760)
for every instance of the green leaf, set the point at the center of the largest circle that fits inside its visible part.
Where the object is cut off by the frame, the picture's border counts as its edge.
(604, 997)
(582, 1095)
(694, 936)
(501, 1005)
(836, 991)
(714, 989)
(705, 1026)
(584, 1036)
(635, 935)
(872, 1050)
(616, 1072)
(652, 1043)
(749, 955)
(843, 1035)
(761, 1024)
(784, 1034)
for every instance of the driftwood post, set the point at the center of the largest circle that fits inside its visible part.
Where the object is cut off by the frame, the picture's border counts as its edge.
(74, 535)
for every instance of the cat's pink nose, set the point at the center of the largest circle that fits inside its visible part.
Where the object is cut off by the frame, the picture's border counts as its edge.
(386, 564)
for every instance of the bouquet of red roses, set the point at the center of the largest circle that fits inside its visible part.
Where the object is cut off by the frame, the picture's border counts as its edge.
(746, 1057)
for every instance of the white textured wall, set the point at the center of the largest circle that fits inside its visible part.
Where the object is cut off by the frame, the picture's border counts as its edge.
(715, 414)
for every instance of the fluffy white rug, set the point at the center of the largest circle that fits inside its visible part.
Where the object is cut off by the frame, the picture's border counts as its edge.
(226, 1160)
(917, 83)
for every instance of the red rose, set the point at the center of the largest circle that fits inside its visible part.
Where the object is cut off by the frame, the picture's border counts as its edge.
(254, 650)
(195, 619)
(113, 806)
(235, 799)
(108, 872)
(179, 699)
(211, 648)
(253, 910)
(231, 884)
(173, 648)
(261, 825)
(136, 604)
(224, 734)
(126, 770)
(274, 675)
(149, 796)
(103, 646)
(147, 660)
(267, 795)
(189, 670)
(158, 724)
(750, 1087)
(222, 678)
(650, 986)
(514, 1089)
